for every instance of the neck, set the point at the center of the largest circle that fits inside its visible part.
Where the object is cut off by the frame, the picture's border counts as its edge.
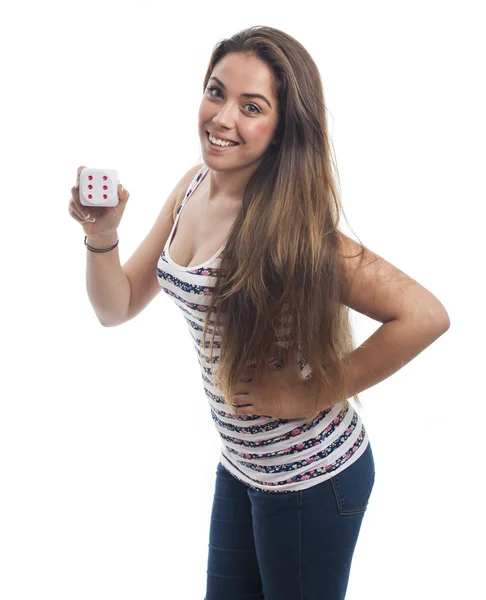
(229, 184)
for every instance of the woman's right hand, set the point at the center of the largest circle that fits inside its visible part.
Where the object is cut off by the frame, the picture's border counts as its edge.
(102, 219)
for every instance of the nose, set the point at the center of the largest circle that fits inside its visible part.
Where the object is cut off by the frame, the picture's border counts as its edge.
(225, 117)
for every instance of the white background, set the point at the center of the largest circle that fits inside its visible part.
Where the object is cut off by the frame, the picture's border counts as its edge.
(108, 451)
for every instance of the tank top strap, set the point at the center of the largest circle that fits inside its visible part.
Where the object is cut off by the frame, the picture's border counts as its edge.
(192, 186)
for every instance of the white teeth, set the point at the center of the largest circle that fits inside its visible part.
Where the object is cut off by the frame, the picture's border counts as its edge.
(220, 142)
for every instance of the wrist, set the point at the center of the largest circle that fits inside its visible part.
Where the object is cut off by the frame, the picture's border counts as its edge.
(320, 394)
(101, 241)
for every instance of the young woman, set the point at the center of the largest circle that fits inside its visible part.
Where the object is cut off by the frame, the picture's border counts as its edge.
(248, 247)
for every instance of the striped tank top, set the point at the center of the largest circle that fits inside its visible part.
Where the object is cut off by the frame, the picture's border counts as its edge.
(265, 453)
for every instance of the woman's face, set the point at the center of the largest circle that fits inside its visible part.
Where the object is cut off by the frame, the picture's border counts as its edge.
(226, 111)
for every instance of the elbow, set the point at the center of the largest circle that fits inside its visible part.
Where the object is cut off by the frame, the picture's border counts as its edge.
(438, 319)
(432, 318)
(446, 322)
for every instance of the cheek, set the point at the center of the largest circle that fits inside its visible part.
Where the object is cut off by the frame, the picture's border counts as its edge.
(204, 111)
(259, 131)
(200, 113)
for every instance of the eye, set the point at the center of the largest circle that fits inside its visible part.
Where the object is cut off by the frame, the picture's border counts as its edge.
(212, 88)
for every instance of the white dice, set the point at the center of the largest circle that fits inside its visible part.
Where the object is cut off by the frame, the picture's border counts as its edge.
(98, 187)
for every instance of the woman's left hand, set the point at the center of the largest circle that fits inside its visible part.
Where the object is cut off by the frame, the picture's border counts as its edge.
(286, 395)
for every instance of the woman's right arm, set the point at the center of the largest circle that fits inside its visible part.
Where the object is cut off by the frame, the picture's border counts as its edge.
(117, 293)
(107, 285)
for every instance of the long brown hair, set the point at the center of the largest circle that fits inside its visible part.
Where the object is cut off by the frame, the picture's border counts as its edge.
(281, 265)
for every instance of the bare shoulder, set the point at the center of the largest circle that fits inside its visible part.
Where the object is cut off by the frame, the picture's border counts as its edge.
(374, 287)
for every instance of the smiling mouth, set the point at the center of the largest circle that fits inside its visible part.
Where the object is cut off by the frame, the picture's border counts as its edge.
(232, 145)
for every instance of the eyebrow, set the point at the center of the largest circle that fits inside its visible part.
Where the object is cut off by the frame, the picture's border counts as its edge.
(245, 95)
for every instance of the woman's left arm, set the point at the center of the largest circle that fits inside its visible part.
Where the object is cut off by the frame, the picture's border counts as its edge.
(412, 317)
(391, 347)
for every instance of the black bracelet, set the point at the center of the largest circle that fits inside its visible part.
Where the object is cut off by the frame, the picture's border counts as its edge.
(99, 249)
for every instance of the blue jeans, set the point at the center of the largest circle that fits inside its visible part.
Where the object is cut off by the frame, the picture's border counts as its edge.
(293, 546)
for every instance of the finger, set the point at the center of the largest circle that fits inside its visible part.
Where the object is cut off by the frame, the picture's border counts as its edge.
(123, 193)
(79, 217)
(240, 391)
(245, 410)
(74, 215)
(76, 206)
(79, 208)
(74, 211)
(240, 397)
(79, 173)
